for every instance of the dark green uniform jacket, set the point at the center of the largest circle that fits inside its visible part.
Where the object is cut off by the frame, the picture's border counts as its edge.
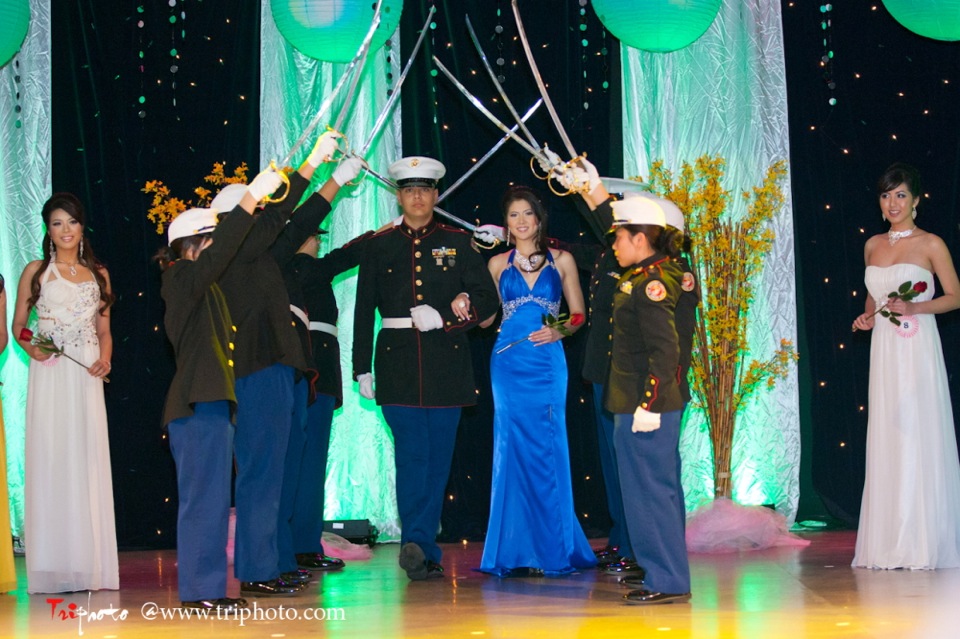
(646, 353)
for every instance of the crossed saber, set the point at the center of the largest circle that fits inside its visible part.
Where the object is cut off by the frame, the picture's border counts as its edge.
(538, 152)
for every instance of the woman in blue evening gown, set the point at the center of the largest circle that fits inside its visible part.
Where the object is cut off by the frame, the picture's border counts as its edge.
(533, 528)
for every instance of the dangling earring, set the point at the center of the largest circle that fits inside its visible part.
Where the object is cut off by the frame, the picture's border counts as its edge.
(914, 214)
(53, 251)
(508, 236)
(80, 254)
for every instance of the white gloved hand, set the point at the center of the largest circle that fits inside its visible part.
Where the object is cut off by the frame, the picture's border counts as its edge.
(572, 178)
(323, 149)
(348, 170)
(366, 385)
(554, 163)
(266, 182)
(426, 318)
(489, 234)
(644, 421)
(593, 176)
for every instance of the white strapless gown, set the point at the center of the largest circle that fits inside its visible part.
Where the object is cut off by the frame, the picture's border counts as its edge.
(910, 514)
(69, 528)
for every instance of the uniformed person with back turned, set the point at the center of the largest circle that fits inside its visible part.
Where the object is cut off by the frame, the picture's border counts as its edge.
(415, 274)
(643, 393)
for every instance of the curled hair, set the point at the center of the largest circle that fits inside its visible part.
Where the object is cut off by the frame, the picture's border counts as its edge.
(69, 203)
(673, 242)
(897, 174)
(167, 255)
(518, 192)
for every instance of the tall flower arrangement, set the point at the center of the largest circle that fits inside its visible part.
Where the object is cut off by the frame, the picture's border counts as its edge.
(728, 255)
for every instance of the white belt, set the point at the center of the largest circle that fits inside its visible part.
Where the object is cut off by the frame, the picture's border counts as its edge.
(323, 327)
(300, 314)
(397, 322)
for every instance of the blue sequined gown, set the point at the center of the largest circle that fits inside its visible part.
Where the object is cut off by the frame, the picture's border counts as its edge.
(532, 520)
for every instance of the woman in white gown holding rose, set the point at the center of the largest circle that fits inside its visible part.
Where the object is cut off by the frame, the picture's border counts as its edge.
(69, 526)
(910, 514)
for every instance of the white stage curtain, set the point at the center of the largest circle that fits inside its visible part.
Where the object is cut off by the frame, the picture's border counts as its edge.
(726, 94)
(25, 174)
(360, 480)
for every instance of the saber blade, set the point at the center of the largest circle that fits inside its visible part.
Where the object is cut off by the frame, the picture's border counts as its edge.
(328, 101)
(489, 154)
(382, 118)
(490, 116)
(450, 216)
(496, 82)
(539, 80)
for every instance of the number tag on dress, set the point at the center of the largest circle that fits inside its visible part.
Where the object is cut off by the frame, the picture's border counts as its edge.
(909, 326)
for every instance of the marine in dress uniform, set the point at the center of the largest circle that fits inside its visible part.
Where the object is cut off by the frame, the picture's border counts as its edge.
(643, 393)
(411, 273)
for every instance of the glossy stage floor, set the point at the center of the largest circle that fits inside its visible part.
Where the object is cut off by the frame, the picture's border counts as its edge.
(780, 592)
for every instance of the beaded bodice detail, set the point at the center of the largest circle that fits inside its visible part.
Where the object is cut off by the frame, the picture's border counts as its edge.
(515, 292)
(66, 311)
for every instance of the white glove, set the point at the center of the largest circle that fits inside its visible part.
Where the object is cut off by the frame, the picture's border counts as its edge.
(593, 176)
(554, 161)
(489, 234)
(426, 318)
(644, 421)
(347, 170)
(266, 182)
(366, 385)
(323, 149)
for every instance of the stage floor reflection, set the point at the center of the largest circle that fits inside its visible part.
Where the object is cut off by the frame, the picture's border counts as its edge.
(780, 592)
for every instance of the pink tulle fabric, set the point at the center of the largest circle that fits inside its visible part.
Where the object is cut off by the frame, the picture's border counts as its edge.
(724, 526)
(333, 545)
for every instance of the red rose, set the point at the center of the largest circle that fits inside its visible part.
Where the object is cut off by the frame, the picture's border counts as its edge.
(920, 287)
(578, 318)
(26, 334)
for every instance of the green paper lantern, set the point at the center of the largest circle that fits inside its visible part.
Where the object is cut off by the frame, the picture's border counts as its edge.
(332, 30)
(937, 19)
(14, 21)
(657, 25)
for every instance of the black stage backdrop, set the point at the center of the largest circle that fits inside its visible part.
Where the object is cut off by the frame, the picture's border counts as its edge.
(127, 110)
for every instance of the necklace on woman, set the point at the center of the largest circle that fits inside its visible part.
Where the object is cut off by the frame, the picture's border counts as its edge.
(895, 236)
(72, 267)
(528, 264)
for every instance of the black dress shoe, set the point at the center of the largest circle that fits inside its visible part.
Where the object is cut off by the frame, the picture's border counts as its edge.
(625, 568)
(607, 554)
(273, 587)
(413, 561)
(318, 561)
(297, 577)
(632, 581)
(649, 597)
(434, 570)
(224, 604)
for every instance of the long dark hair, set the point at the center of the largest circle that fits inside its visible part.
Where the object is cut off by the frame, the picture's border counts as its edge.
(661, 240)
(69, 203)
(526, 194)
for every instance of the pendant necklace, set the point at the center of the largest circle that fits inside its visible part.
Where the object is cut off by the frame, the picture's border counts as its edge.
(528, 264)
(71, 267)
(895, 236)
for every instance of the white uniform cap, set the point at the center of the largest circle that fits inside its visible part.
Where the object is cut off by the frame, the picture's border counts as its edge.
(638, 210)
(671, 212)
(228, 198)
(416, 171)
(191, 222)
